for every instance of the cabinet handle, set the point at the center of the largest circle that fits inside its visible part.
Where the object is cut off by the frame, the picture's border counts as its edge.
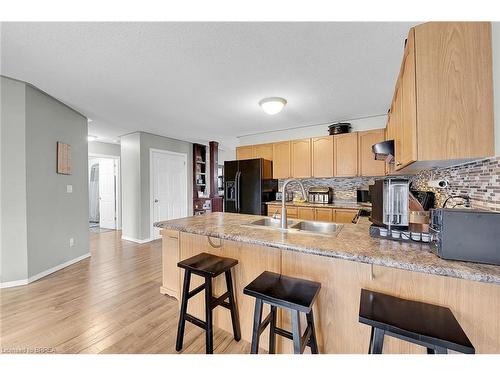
(214, 245)
(398, 163)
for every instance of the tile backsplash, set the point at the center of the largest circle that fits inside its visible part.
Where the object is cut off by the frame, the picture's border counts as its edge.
(480, 180)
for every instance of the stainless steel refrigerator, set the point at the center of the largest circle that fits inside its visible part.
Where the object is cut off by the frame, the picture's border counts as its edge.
(248, 185)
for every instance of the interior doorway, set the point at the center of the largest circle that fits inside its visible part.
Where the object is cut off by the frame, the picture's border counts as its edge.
(104, 193)
(168, 187)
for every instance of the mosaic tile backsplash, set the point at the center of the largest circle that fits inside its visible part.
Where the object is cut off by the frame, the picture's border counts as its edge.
(480, 180)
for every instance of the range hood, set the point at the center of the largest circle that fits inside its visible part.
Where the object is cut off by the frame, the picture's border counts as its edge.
(384, 150)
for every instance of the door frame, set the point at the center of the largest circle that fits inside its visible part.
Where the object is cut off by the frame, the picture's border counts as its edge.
(118, 190)
(151, 187)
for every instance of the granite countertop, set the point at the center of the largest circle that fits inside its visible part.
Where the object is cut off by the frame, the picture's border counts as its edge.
(352, 243)
(350, 205)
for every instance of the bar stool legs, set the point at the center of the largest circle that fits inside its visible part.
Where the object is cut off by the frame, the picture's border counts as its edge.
(210, 304)
(376, 341)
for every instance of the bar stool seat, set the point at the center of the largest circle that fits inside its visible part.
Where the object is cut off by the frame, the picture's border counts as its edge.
(431, 326)
(207, 266)
(293, 294)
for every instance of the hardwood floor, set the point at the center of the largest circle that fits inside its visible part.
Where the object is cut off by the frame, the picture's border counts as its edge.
(109, 303)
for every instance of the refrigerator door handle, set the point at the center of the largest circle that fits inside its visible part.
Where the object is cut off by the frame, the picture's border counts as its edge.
(238, 175)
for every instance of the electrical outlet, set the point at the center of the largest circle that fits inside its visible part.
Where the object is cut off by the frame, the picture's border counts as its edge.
(69, 188)
(71, 242)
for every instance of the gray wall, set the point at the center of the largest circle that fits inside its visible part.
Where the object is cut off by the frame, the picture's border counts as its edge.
(103, 148)
(135, 166)
(14, 248)
(54, 216)
(38, 216)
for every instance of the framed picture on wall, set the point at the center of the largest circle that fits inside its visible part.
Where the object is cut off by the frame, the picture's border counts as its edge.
(63, 158)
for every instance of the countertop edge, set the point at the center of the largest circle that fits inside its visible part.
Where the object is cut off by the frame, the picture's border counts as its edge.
(385, 262)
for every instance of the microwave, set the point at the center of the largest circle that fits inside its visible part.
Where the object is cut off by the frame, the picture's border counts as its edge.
(466, 234)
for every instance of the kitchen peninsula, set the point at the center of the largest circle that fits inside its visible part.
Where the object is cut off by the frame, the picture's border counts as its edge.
(343, 264)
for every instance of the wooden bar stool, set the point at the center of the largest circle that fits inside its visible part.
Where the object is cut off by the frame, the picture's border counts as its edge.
(295, 295)
(431, 326)
(207, 266)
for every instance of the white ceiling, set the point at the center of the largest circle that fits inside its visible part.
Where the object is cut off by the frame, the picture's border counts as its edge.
(203, 81)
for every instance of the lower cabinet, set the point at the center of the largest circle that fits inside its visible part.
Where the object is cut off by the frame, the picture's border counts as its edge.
(326, 214)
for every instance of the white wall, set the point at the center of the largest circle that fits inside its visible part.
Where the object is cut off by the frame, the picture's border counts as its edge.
(375, 122)
(102, 148)
(496, 82)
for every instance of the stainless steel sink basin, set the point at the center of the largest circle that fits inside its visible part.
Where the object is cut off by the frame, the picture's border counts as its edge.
(271, 223)
(296, 226)
(317, 227)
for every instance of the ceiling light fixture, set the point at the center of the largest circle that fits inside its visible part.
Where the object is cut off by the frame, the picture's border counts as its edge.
(91, 138)
(272, 105)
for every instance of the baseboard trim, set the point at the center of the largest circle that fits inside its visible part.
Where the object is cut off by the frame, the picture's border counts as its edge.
(10, 284)
(136, 240)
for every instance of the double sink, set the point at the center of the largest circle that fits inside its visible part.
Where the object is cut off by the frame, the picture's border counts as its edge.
(311, 227)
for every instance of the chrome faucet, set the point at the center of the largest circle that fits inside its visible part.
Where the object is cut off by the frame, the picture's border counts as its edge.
(284, 220)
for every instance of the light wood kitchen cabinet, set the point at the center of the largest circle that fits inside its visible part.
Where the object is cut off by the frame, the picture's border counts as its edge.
(282, 159)
(442, 110)
(344, 215)
(305, 213)
(324, 214)
(244, 152)
(345, 155)
(368, 166)
(291, 212)
(264, 151)
(170, 258)
(322, 156)
(301, 158)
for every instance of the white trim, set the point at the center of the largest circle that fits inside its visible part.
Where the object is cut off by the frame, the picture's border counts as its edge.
(151, 198)
(136, 240)
(10, 284)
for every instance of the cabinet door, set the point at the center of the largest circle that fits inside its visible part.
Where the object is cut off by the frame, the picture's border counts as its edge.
(272, 209)
(281, 159)
(407, 130)
(305, 213)
(397, 124)
(170, 258)
(324, 214)
(322, 156)
(244, 152)
(345, 155)
(301, 158)
(368, 166)
(264, 151)
(344, 215)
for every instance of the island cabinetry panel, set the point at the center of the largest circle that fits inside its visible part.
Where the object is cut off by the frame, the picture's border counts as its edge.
(170, 258)
(474, 304)
(252, 261)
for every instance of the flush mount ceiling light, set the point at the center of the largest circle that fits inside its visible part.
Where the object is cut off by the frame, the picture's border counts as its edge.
(272, 105)
(91, 138)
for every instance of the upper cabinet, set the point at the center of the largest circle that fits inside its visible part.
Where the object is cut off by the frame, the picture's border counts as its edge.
(322, 156)
(442, 110)
(264, 151)
(244, 152)
(367, 165)
(282, 159)
(345, 151)
(301, 158)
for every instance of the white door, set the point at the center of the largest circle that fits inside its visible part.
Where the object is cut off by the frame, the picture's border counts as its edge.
(169, 190)
(107, 193)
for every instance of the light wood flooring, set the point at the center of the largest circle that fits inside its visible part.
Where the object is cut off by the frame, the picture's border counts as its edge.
(109, 303)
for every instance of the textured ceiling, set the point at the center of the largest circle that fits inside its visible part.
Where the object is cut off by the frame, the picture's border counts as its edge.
(203, 81)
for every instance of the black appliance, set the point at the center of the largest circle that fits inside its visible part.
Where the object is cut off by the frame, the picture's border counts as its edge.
(339, 128)
(425, 198)
(466, 234)
(248, 185)
(363, 196)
